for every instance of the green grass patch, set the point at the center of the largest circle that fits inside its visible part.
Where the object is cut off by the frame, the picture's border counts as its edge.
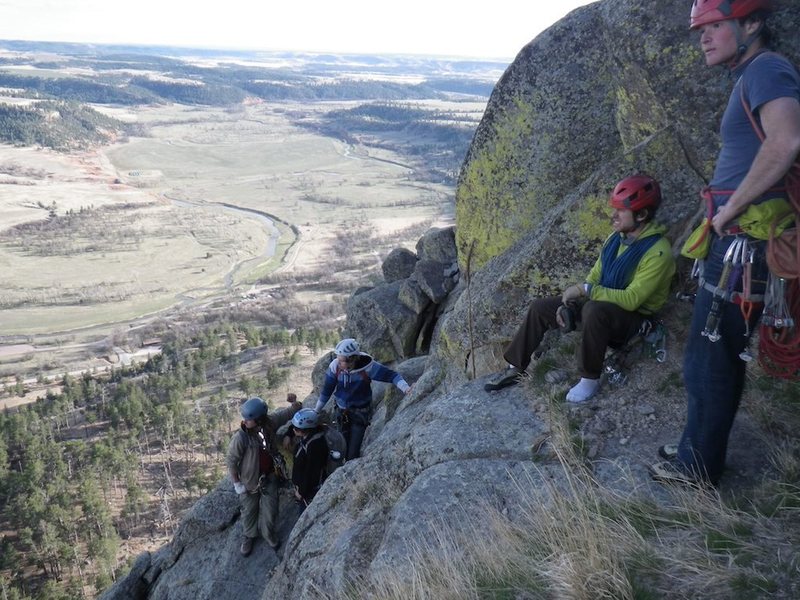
(748, 585)
(542, 367)
(671, 381)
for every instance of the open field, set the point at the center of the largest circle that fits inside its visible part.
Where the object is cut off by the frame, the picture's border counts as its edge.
(95, 244)
(79, 250)
(158, 229)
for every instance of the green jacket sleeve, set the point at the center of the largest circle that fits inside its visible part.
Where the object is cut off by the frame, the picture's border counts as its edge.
(648, 290)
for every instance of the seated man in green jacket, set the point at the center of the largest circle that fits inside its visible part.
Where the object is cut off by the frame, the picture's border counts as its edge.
(629, 282)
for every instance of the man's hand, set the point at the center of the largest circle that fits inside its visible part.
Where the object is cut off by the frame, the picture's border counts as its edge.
(560, 317)
(721, 219)
(573, 292)
(291, 398)
(239, 488)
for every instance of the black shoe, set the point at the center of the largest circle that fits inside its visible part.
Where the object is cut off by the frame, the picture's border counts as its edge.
(668, 451)
(247, 546)
(498, 381)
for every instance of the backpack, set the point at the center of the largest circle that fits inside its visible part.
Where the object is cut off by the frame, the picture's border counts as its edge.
(337, 449)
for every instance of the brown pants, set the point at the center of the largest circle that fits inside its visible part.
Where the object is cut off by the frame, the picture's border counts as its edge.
(603, 324)
(259, 509)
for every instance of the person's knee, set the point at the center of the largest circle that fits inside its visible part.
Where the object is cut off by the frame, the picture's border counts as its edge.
(591, 312)
(541, 307)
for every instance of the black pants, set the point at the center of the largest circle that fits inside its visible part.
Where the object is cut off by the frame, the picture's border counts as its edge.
(602, 324)
(353, 424)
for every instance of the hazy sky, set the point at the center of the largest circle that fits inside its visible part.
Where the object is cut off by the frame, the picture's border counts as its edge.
(492, 28)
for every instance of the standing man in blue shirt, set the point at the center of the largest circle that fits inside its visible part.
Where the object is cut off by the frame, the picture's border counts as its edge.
(747, 190)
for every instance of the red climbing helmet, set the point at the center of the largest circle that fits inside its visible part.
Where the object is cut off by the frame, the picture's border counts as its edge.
(636, 192)
(710, 11)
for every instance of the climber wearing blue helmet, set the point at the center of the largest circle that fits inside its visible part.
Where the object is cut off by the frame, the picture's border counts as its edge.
(255, 468)
(349, 379)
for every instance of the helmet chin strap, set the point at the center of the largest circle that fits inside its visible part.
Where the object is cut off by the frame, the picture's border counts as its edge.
(744, 45)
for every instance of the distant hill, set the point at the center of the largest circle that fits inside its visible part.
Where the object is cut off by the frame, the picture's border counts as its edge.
(136, 75)
(55, 124)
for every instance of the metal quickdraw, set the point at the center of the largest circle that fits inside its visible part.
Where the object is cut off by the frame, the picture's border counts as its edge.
(776, 310)
(747, 304)
(732, 267)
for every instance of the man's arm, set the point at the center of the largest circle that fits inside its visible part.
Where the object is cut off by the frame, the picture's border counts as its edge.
(282, 416)
(381, 372)
(233, 459)
(653, 273)
(328, 388)
(780, 119)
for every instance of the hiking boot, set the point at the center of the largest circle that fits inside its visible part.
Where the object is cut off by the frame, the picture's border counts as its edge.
(668, 451)
(247, 546)
(498, 381)
(271, 540)
(669, 472)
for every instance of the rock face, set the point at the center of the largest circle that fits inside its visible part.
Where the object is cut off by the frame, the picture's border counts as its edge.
(370, 513)
(394, 321)
(398, 265)
(561, 128)
(203, 560)
(617, 86)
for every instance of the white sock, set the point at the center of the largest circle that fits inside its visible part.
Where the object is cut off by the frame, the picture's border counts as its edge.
(583, 390)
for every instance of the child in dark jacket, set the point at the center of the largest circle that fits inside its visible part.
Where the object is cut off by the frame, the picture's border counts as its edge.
(310, 455)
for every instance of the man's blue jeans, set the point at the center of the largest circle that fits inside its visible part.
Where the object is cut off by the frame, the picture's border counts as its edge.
(713, 373)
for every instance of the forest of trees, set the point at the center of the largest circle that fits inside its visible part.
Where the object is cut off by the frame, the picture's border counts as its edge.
(121, 455)
(55, 124)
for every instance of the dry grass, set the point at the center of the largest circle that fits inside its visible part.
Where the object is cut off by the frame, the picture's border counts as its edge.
(570, 537)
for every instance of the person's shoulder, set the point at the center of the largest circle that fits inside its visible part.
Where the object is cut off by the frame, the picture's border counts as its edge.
(768, 65)
(662, 246)
(663, 249)
(239, 437)
(318, 438)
